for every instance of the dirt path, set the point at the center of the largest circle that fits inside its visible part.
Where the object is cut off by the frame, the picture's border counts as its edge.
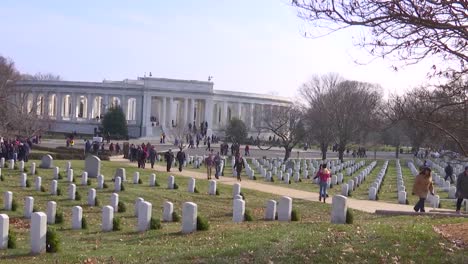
(362, 205)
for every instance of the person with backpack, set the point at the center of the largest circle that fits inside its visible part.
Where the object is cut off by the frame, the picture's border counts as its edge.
(238, 165)
(323, 175)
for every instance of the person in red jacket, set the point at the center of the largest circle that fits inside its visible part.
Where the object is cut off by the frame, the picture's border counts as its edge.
(323, 174)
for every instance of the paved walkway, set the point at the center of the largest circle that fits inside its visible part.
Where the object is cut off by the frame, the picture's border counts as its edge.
(361, 205)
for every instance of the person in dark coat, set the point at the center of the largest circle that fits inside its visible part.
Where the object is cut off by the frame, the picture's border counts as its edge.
(181, 158)
(462, 188)
(169, 156)
(238, 165)
(448, 172)
(152, 156)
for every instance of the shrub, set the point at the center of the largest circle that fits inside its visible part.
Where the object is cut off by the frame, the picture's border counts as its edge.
(406, 202)
(295, 216)
(122, 187)
(36, 172)
(140, 181)
(88, 182)
(121, 207)
(289, 182)
(155, 224)
(52, 241)
(77, 196)
(176, 186)
(28, 183)
(2, 178)
(254, 178)
(175, 217)
(272, 179)
(11, 239)
(349, 216)
(242, 194)
(25, 169)
(196, 190)
(59, 217)
(440, 205)
(300, 180)
(35, 209)
(156, 184)
(14, 205)
(276, 216)
(202, 224)
(350, 193)
(217, 192)
(15, 167)
(116, 224)
(60, 176)
(59, 191)
(248, 216)
(84, 223)
(376, 197)
(104, 186)
(96, 201)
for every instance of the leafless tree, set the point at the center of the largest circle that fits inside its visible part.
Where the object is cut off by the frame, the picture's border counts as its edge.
(409, 30)
(41, 77)
(286, 123)
(318, 105)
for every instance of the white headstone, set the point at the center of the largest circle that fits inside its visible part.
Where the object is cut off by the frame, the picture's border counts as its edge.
(170, 182)
(344, 190)
(51, 212)
(70, 175)
(144, 216)
(28, 206)
(47, 162)
(114, 201)
(77, 217)
(212, 187)
(236, 189)
(23, 179)
(33, 168)
(117, 184)
(286, 178)
(402, 197)
(53, 187)
(191, 185)
(167, 212)
(107, 218)
(12, 164)
(21, 166)
(351, 185)
(38, 183)
(93, 166)
(152, 180)
(189, 217)
(71, 191)
(270, 212)
(339, 209)
(284, 209)
(137, 205)
(56, 173)
(38, 232)
(238, 211)
(4, 228)
(2, 162)
(452, 192)
(100, 181)
(92, 197)
(68, 165)
(7, 200)
(120, 173)
(84, 178)
(372, 193)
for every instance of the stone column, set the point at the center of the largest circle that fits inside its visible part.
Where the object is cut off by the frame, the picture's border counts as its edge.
(34, 102)
(124, 105)
(209, 112)
(239, 110)
(261, 115)
(171, 114)
(192, 108)
(163, 113)
(185, 119)
(73, 111)
(106, 103)
(252, 111)
(225, 113)
(58, 108)
(89, 106)
(46, 105)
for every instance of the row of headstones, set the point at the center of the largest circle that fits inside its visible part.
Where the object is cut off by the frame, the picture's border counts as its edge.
(401, 189)
(333, 165)
(376, 185)
(354, 183)
(440, 165)
(355, 167)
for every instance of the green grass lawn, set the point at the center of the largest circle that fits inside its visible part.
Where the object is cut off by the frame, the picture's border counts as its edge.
(311, 240)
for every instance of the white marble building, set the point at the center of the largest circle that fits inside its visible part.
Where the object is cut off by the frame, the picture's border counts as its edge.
(151, 105)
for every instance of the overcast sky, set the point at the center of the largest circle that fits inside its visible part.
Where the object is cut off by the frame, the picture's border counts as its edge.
(246, 45)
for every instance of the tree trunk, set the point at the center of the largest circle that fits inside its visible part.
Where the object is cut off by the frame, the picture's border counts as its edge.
(324, 149)
(341, 150)
(397, 153)
(287, 154)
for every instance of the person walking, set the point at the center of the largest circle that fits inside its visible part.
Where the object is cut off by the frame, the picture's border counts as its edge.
(152, 156)
(462, 188)
(449, 172)
(181, 159)
(422, 186)
(169, 156)
(323, 175)
(209, 163)
(238, 165)
(217, 163)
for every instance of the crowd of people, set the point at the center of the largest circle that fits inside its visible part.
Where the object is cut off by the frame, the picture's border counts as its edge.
(17, 149)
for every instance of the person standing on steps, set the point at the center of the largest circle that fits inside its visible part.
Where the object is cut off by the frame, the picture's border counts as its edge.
(449, 172)
(169, 156)
(238, 165)
(323, 174)
(181, 159)
(462, 188)
(422, 186)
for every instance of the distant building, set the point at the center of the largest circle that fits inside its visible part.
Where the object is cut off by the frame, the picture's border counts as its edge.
(151, 105)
